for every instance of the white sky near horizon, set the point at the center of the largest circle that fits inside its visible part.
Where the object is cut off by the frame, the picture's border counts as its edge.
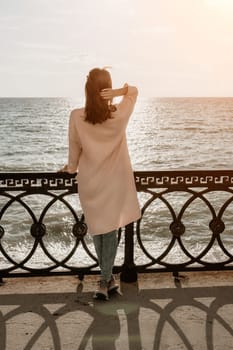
(165, 47)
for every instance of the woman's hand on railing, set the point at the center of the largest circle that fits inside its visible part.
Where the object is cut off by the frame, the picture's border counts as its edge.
(64, 169)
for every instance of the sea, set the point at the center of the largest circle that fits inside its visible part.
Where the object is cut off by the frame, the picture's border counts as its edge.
(163, 134)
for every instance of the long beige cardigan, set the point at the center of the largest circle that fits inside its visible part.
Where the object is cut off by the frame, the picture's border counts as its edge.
(105, 178)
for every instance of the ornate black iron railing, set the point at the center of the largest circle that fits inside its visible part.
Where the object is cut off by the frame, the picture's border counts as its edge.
(186, 225)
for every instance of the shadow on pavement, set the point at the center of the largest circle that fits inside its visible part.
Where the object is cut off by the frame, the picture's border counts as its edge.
(167, 318)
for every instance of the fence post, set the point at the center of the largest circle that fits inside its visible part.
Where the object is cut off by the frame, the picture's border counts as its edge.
(129, 270)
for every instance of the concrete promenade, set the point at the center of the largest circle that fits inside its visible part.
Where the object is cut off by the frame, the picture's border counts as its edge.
(154, 313)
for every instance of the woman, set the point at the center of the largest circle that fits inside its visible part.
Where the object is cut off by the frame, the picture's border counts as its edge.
(98, 150)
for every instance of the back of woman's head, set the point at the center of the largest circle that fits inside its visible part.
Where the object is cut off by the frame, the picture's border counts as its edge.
(97, 109)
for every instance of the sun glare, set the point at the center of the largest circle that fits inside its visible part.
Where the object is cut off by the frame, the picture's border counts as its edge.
(221, 3)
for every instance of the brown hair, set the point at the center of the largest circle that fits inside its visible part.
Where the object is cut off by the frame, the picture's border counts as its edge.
(97, 109)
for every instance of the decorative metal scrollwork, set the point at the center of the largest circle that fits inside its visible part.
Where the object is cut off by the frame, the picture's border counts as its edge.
(157, 189)
(79, 230)
(217, 226)
(177, 228)
(38, 230)
(2, 231)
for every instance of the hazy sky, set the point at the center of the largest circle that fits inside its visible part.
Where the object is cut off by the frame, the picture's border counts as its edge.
(165, 47)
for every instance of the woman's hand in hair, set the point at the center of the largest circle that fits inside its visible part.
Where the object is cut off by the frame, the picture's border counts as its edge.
(107, 94)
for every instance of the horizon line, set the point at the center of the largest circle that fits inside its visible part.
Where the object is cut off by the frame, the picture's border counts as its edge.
(140, 96)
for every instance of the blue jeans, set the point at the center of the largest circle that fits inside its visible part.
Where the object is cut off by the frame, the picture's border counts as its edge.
(106, 247)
